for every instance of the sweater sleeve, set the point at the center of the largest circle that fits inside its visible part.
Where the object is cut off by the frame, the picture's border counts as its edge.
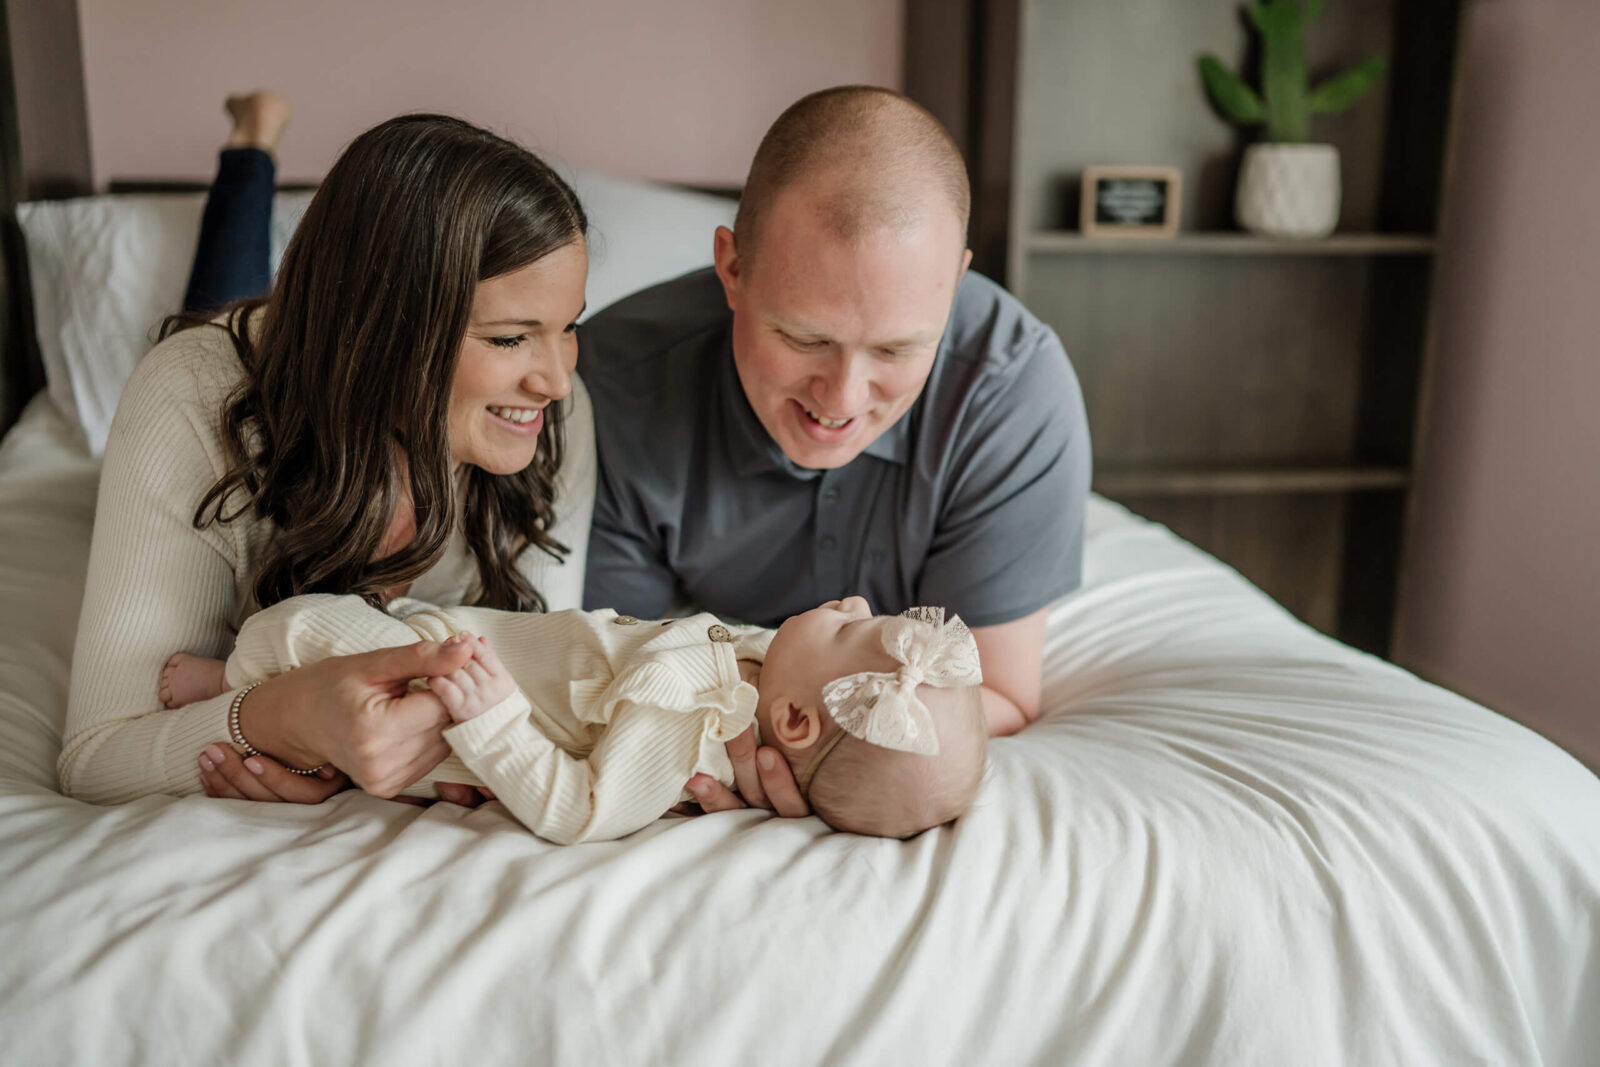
(308, 629)
(155, 585)
(636, 772)
(314, 627)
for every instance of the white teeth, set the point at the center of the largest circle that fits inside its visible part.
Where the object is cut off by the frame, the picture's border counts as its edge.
(832, 424)
(518, 415)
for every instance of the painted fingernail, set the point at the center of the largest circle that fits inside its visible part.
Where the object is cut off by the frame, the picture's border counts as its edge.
(206, 764)
(253, 765)
(215, 752)
(768, 760)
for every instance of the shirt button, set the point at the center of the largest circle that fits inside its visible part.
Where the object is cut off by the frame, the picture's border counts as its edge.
(719, 634)
(830, 495)
(830, 543)
(625, 620)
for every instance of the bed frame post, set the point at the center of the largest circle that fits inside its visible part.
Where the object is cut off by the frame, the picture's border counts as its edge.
(44, 154)
(961, 64)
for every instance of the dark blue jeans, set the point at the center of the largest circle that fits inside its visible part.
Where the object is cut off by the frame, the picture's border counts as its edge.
(232, 259)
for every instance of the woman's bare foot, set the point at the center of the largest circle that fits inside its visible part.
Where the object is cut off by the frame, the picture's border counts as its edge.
(258, 120)
(478, 686)
(187, 678)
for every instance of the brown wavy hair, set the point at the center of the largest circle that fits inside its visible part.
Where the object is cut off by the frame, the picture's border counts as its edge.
(349, 363)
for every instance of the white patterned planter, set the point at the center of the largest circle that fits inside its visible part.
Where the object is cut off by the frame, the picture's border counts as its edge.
(1289, 190)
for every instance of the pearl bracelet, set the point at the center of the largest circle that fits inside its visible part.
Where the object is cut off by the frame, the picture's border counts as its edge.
(237, 735)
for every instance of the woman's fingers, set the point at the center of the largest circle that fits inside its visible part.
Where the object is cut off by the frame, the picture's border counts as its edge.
(426, 760)
(294, 788)
(238, 782)
(397, 666)
(420, 712)
(225, 774)
(218, 787)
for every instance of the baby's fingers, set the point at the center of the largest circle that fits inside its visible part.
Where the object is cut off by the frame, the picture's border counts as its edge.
(448, 692)
(486, 656)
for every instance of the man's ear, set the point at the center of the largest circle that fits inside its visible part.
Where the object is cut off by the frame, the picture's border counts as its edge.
(796, 727)
(726, 257)
(966, 261)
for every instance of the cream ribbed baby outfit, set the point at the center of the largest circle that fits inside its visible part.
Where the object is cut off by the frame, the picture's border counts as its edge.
(156, 585)
(612, 715)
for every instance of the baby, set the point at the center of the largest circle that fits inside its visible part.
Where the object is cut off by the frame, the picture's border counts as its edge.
(587, 724)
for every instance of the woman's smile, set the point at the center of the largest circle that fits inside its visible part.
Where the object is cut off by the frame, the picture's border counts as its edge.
(519, 420)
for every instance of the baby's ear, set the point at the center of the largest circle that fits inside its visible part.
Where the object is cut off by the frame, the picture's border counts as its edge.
(796, 727)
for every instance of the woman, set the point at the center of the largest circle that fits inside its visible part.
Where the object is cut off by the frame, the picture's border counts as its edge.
(388, 421)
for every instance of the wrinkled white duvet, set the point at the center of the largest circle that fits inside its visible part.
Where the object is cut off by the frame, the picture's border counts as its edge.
(1229, 841)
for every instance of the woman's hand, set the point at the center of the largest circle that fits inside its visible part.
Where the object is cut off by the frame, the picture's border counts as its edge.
(763, 777)
(357, 713)
(224, 774)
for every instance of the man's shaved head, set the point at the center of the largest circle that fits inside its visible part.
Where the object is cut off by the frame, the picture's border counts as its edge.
(873, 158)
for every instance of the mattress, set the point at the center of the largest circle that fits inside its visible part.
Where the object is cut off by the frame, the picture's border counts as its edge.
(1229, 840)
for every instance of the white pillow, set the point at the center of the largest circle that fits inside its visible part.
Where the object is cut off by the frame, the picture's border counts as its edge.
(107, 269)
(641, 234)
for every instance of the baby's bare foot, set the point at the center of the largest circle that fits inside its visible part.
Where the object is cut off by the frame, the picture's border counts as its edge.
(258, 119)
(187, 678)
(478, 686)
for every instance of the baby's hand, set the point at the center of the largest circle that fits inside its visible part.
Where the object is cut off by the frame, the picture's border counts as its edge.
(187, 678)
(480, 684)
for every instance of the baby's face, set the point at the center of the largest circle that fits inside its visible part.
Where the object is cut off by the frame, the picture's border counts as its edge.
(813, 648)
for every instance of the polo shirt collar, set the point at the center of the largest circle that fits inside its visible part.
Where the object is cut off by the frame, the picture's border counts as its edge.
(753, 451)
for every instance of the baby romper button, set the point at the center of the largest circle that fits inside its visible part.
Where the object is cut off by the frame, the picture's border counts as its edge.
(625, 620)
(720, 634)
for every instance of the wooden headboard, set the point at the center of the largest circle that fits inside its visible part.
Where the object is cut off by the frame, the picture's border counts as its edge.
(44, 154)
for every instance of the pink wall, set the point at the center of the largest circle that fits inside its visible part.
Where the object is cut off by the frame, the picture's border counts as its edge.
(678, 90)
(1503, 595)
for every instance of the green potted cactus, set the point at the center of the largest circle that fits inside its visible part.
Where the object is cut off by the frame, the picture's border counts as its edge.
(1288, 187)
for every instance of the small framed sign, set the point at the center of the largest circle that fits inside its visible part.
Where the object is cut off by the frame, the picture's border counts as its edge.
(1131, 201)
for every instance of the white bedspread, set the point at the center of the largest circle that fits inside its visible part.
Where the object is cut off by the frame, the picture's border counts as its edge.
(1230, 841)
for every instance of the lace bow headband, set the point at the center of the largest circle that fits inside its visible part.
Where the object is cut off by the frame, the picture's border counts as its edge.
(883, 708)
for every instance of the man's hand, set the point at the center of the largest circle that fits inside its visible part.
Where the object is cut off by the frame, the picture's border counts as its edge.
(1012, 656)
(763, 777)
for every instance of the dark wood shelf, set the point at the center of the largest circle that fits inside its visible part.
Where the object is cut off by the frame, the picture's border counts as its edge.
(1072, 242)
(1259, 396)
(1229, 481)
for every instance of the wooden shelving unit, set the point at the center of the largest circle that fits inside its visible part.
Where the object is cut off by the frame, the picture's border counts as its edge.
(1243, 482)
(1259, 396)
(1071, 242)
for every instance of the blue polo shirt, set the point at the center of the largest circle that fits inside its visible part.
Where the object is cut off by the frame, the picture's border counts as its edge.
(973, 501)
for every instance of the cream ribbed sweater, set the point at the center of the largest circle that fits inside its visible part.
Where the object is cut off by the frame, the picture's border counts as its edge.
(611, 718)
(157, 585)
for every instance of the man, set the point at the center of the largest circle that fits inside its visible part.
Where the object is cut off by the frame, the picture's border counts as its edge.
(839, 407)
